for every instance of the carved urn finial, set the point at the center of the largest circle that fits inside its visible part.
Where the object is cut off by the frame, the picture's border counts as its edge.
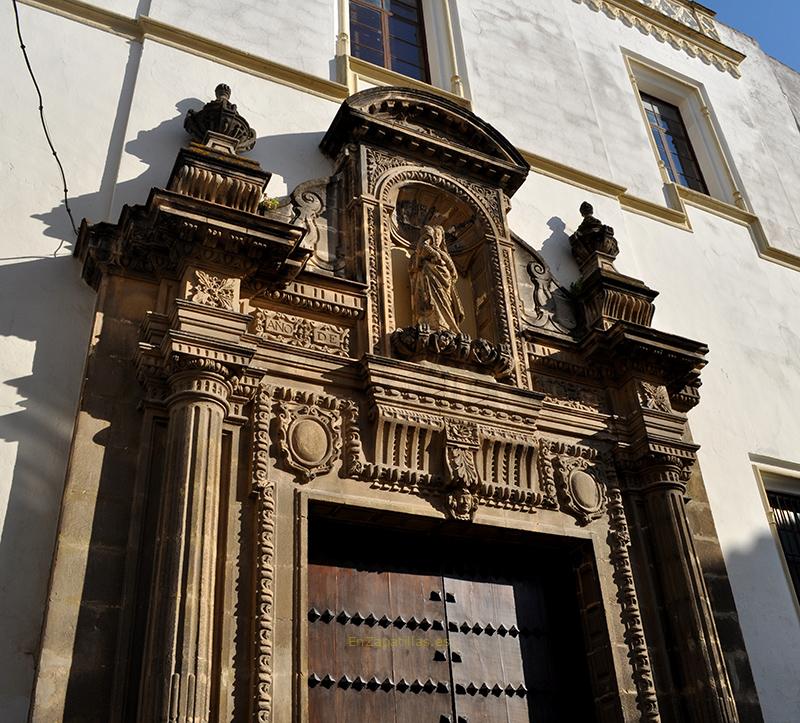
(219, 117)
(593, 242)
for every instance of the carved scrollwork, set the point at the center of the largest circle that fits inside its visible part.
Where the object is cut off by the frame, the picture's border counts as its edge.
(445, 347)
(572, 472)
(309, 438)
(551, 307)
(619, 541)
(263, 488)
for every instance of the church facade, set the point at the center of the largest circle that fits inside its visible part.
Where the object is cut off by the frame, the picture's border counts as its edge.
(377, 419)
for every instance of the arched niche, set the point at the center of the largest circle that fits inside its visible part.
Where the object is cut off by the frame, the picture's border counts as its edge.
(415, 206)
(413, 199)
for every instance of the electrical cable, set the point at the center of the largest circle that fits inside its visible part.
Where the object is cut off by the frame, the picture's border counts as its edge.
(44, 125)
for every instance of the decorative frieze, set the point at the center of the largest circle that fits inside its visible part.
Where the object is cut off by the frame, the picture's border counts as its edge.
(300, 332)
(569, 395)
(670, 21)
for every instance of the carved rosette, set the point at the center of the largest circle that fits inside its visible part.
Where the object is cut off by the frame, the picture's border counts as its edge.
(572, 471)
(309, 434)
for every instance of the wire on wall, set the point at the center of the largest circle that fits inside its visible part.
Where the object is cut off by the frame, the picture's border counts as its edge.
(44, 124)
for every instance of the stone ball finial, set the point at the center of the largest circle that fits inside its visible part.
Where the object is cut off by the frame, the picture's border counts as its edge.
(220, 116)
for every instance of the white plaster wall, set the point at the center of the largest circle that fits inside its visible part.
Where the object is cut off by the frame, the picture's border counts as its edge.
(714, 288)
(290, 123)
(45, 308)
(551, 76)
(299, 34)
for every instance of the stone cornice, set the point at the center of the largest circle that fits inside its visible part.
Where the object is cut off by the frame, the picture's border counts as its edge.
(666, 29)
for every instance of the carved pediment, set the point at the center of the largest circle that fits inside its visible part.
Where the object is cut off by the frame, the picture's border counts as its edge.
(429, 127)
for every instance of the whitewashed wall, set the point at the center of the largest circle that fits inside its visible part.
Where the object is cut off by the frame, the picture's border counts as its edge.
(551, 76)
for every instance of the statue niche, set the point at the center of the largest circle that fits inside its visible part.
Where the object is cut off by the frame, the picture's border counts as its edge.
(434, 299)
(438, 265)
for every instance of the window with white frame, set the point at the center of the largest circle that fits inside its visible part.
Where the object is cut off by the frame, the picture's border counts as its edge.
(783, 499)
(686, 142)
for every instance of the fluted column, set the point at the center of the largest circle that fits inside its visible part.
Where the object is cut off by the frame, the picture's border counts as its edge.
(702, 677)
(177, 679)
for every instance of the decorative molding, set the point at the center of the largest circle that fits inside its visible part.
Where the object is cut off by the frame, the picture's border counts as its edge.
(300, 332)
(263, 488)
(619, 542)
(212, 290)
(571, 175)
(324, 301)
(666, 29)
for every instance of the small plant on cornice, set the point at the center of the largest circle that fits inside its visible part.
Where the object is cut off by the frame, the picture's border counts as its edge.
(268, 204)
(576, 287)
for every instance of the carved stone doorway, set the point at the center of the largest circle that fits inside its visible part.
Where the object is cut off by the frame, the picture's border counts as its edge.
(405, 625)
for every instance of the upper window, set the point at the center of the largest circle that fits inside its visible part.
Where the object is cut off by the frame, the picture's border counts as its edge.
(672, 142)
(786, 513)
(390, 33)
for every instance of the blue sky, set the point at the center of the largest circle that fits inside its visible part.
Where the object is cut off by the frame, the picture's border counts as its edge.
(774, 23)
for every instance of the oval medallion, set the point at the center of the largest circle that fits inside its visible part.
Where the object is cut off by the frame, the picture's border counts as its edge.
(585, 490)
(310, 442)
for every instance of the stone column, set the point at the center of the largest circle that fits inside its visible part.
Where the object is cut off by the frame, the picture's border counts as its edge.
(702, 679)
(177, 680)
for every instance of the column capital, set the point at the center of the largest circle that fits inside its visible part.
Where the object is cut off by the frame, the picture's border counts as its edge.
(658, 470)
(198, 379)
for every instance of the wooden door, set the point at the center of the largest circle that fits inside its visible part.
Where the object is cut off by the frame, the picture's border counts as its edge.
(409, 633)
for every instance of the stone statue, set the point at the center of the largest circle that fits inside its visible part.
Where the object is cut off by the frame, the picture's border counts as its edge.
(434, 300)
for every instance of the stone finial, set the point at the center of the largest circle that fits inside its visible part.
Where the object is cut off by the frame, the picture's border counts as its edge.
(220, 117)
(593, 240)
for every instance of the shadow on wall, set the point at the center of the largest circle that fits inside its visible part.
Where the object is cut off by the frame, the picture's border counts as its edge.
(47, 302)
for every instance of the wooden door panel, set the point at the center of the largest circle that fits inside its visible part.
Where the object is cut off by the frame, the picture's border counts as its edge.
(373, 641)
(485, 641)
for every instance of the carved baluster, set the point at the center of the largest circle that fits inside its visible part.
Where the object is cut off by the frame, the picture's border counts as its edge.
(177, 679)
